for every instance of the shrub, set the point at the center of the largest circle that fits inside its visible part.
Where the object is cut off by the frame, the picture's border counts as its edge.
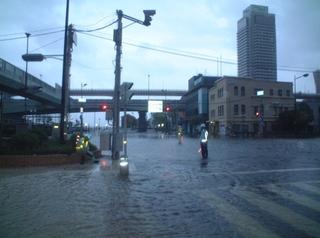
(41, 134)
(25, 141)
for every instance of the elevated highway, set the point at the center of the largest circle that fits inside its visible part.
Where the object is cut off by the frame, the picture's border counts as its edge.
(12, 80)
(91, 105)
(136, 92)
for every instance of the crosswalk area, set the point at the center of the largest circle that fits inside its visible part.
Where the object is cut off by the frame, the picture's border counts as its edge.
(269, 210)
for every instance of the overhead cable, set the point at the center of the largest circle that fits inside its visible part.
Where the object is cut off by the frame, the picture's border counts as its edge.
(98, 29)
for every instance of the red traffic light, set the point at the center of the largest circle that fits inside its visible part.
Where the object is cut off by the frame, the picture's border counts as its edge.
(104, 107)
(168, 108)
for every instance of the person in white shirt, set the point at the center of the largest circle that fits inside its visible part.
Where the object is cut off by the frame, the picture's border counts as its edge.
(204, 141)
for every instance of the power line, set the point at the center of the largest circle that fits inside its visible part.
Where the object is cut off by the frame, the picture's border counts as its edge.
(214, 58)
(46, 33)
(91, 68)
(50, 43)
(195, 56)
(128, 25)
(34, 35)
(22, 33)
(98, 29)
(13, 38)
(164, 51)
(96, 22)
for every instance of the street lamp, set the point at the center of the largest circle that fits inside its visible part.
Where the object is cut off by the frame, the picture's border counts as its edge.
(295, 98)
(26, 77)
(69, 39)
(38, 57)
(295, 79)
(295, 90)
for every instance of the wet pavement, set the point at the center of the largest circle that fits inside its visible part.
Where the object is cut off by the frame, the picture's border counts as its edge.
(246, 188)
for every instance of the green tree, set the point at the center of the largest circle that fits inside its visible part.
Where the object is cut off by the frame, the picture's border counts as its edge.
(304, 117)
(159, 119)
(295, 121)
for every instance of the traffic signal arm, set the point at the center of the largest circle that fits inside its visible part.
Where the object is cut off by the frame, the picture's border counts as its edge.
(147, 17)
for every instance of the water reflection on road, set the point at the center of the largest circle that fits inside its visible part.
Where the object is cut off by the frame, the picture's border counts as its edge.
(170, 192)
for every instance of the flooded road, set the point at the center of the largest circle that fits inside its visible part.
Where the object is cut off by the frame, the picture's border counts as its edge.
(247, 188)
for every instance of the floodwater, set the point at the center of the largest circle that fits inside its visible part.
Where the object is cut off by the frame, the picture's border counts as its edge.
(246, 188)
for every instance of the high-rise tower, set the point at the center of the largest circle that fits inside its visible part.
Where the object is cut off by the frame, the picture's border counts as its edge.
(256, 43)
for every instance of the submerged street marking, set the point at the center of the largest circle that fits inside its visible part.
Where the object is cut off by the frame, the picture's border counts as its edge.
(307, 187)
(247, 226)
(296, 220)
(298, 198)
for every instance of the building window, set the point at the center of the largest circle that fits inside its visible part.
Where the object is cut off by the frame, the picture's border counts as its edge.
(235, 91)
(212, 97)
(288, 93)
(221, 110)
(271, 92)
(280, 92)
(243, 91)
(243, 109)
(213, 113)
(220, 92)
(236, 109)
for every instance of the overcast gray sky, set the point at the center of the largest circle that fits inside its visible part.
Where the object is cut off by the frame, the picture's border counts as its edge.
(206, 27)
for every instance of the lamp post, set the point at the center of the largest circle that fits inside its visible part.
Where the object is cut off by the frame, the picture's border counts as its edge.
(295, 99)
(26, 77)
(295, 88)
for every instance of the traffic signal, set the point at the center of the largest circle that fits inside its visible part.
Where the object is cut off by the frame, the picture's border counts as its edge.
(257, 114)
(167, 108)
(104, 107)
(147, 16)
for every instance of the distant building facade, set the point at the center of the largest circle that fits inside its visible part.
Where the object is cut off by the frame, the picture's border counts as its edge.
(240, 105)
(256, 44)
(196, 102)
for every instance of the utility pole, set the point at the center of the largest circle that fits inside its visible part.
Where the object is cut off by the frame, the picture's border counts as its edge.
(117, 38)
(66, 79)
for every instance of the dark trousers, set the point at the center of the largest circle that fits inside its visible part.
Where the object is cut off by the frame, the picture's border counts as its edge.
(204, 150)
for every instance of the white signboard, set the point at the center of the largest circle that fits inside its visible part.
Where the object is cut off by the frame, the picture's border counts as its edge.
(155, 106)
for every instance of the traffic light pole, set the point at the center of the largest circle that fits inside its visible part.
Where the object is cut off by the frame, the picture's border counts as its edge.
(116, 96)
(117, 38)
